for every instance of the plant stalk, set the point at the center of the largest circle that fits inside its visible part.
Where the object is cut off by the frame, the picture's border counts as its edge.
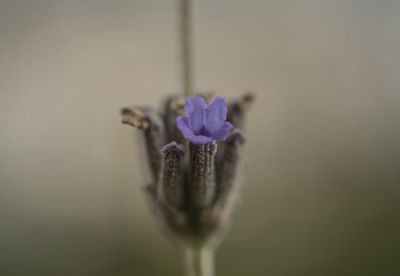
(199, 261)
(186, 46)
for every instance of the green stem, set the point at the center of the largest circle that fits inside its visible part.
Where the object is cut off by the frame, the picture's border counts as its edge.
(186, 46)
(199, 261)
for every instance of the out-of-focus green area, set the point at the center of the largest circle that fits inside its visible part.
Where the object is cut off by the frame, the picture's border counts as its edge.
(320, 193)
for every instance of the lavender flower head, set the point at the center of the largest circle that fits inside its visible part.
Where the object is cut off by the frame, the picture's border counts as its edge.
(192, 186)
(204, 123)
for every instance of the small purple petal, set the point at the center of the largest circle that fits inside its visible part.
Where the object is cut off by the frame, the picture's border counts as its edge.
(183, 126)
(223, 132)
(196, 109)
(216, 114)
(204, 124)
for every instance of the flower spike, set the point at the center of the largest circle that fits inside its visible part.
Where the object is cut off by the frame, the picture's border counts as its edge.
(194, 156)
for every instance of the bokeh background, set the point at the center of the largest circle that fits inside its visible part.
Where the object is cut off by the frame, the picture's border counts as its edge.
(321, 191)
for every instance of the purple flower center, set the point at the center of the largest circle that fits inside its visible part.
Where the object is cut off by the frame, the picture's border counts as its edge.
(204, 123)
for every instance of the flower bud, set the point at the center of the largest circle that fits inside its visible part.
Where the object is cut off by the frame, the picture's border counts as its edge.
(174, 106)
(237, 110)
(227, 167)
(153, 129)
(171, 182)
(202, 178)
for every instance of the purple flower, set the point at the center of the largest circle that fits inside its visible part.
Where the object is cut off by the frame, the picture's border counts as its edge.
(204, 123)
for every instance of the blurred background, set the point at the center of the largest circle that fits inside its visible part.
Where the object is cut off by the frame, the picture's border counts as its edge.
(320, 192)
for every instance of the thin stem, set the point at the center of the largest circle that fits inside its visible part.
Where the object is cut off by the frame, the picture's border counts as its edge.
(186, 46)
(199, 261)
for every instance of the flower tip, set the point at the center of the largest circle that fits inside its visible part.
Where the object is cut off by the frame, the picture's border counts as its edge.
(248, 97)
(236, 136)
(135, 117)
(173, 147)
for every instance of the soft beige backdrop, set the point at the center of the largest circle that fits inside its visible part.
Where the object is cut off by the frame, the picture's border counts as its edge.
(321, 195)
